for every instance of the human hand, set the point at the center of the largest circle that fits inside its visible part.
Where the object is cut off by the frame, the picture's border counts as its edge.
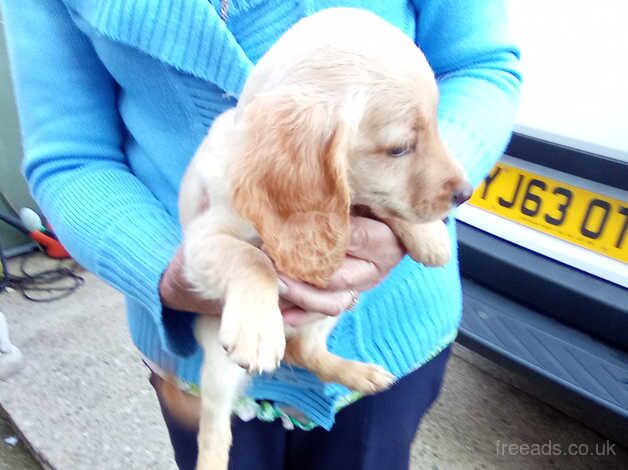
(373, 251)
(177, 293)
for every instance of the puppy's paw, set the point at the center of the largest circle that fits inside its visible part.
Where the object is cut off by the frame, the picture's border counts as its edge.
(251, 331)
(427, 243)
(435, 252)
(366, 378)
(431, 245)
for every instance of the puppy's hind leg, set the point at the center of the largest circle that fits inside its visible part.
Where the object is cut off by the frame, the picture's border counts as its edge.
(307, 347)
(221, 381)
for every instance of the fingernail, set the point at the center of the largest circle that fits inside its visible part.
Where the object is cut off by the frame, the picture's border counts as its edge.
(283, 287)
(357, 238)
(353, 241)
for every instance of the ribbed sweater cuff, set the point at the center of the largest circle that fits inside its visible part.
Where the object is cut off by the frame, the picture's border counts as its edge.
(113, 225)
(135, 259)
(134, 263)
(475, 133)
(467, 147)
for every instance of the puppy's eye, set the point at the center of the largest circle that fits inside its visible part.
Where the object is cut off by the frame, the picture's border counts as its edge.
(401, 151)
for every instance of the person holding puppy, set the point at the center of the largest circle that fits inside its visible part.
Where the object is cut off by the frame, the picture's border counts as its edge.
(114, 99)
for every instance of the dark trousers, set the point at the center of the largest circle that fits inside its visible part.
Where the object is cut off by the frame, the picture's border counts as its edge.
(375, 433)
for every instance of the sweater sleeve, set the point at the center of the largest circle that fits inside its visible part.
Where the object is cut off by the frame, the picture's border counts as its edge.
(74, 159)
(477, 66)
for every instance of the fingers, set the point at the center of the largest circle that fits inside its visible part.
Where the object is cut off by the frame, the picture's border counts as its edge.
(372, 240)
(285, 305)
(297, 317)
(355, 274)
(312, 299)
(374, 250)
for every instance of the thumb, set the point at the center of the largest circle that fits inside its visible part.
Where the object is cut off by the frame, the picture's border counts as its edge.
(369, 236)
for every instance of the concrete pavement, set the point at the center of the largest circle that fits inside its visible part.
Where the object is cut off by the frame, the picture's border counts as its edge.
(82, 401)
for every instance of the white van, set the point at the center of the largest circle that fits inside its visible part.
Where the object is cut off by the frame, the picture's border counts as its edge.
(544, 239)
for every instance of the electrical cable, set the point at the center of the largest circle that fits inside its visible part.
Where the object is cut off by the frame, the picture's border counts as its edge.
(14, 222)
(57, 283)
(51, 284)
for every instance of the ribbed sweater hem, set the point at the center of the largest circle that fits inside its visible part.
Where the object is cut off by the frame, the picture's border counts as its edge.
(420, 308)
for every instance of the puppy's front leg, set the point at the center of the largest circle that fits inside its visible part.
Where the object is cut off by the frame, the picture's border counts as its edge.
(250, 331)
(220, 266)
(426, 243)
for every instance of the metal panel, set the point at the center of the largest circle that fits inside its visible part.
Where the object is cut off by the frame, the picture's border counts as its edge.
(574, 86)
(569, 295)
(12, 183)
(571, 365)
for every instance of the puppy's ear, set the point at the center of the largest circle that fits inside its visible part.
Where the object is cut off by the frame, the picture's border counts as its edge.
(290, 181)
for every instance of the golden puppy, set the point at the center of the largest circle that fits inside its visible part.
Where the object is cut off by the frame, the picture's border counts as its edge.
(340, 112)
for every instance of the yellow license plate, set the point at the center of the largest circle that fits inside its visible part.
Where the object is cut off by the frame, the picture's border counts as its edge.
(587, 219)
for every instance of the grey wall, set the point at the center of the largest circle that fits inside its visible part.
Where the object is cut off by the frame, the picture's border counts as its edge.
(12, 183)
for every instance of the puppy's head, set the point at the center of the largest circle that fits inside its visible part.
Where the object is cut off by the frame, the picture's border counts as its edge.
(345, 120)
(399, 167)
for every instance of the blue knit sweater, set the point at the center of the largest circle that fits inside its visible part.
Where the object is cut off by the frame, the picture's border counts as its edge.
(115, 96)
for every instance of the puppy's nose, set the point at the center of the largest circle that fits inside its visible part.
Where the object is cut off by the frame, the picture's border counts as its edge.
(462, 193)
